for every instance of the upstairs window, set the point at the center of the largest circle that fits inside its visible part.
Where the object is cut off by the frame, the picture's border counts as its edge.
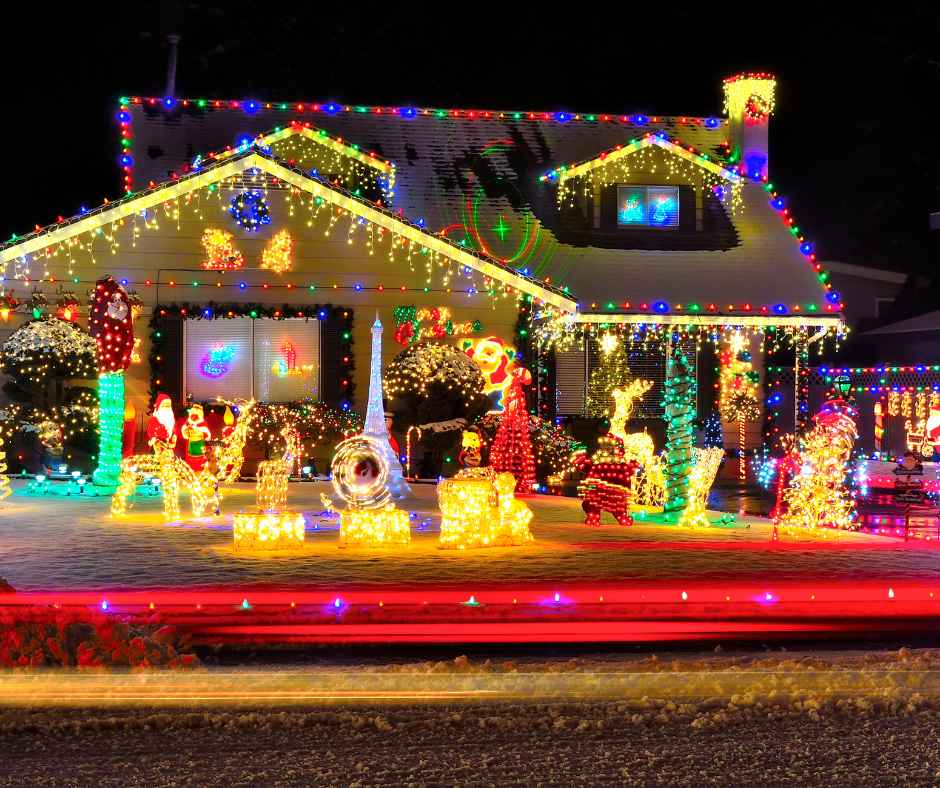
(648, 206)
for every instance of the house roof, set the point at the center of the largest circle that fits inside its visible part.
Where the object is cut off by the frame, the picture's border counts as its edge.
(929, 321)
(252, 159)
(659, 139)
(474, 177)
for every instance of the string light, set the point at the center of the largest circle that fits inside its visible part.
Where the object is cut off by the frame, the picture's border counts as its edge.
(278, 253)
(47, 348)
(272, 475)
(111, 325)
(679, 405)
(752, 95)
(649, 484)
(5, 491)
(511, 450)
(704, 469)
(653, 155)
(250, 210)
(613, 372)
(607, 483)
(360, 477)
(221, 252)
(419, 368)
(817, 496)
(415, 325)
(738, 394)
(480, 510)
(268, 531)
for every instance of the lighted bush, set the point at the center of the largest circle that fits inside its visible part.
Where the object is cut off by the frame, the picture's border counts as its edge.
(49, 637)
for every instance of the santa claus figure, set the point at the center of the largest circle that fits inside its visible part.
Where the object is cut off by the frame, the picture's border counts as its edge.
(162, 424)
(195, 432)
(932, 432)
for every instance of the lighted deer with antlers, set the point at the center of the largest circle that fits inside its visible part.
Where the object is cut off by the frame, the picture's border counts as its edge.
(650, 483)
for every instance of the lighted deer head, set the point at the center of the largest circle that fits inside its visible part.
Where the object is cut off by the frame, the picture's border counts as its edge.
(623, 405)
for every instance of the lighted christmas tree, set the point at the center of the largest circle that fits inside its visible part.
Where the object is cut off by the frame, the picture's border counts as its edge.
(112, 326)
(679, 403)
(612, 373)
(512, 447)
(738, 393)
(817, 496)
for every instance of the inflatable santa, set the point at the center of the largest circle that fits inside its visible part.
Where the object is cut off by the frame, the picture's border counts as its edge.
(162, 424)
(195, 432)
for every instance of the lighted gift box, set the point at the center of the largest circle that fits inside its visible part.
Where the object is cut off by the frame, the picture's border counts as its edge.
(268, 530)
(480, 510)
(380, 527)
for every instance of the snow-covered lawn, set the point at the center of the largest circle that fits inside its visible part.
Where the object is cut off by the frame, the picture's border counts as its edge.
(55, 542)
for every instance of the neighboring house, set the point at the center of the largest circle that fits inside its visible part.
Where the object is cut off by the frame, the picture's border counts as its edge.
(665, 229)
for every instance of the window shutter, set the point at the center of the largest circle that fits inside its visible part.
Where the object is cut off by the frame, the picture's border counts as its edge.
(169, 370)
(331, 330)
(570, 383)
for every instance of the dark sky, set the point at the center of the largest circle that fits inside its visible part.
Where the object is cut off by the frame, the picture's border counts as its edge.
(854, 143)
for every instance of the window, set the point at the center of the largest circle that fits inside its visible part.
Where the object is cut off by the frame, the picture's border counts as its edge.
(648, 206)
(268, 360)
(573, 370)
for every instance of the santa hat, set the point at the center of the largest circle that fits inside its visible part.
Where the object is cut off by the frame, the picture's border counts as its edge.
(162, 399)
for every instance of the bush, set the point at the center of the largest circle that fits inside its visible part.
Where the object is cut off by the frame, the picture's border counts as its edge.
(50, 637)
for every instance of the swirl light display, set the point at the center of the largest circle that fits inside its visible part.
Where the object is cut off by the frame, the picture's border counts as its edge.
(360, 478)
(360, 473)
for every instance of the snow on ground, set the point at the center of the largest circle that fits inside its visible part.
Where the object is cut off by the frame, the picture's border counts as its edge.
(759, 737)
(58, 542)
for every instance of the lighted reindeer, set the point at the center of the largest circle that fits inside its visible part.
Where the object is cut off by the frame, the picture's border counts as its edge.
(272, 475)
(650, 482)
(173, 473)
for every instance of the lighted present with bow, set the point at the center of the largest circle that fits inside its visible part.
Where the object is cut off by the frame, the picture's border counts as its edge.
(480, 510)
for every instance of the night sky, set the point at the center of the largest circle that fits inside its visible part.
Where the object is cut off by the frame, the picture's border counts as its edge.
(854, 143)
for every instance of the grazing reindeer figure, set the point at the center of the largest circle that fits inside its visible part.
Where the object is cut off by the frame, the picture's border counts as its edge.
(271, 489)
(224, 467)
(650, 483)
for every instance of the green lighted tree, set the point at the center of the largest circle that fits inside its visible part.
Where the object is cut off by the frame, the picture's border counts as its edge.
(679, 403)
(613, 372)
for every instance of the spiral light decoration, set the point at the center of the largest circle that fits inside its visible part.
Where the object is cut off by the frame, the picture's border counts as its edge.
(360, 473)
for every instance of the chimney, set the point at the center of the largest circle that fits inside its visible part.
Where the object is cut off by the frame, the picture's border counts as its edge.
(173, 40)
(749, 103)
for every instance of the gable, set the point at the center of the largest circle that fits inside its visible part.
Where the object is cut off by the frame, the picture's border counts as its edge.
(58, 245)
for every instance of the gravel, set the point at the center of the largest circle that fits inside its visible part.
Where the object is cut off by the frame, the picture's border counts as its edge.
(807, 743)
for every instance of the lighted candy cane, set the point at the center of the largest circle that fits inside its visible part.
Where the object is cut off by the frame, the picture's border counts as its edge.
(408, 449)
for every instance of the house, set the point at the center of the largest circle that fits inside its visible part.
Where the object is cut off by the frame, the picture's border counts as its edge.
(297, 222)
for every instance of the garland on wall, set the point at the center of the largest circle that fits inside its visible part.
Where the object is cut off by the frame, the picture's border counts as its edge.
(341, 315)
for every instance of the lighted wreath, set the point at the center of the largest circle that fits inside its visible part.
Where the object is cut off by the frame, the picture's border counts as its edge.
(250, 210)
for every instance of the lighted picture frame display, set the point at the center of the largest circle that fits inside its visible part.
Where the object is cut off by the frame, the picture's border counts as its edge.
(648, 206)
(267, 360)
